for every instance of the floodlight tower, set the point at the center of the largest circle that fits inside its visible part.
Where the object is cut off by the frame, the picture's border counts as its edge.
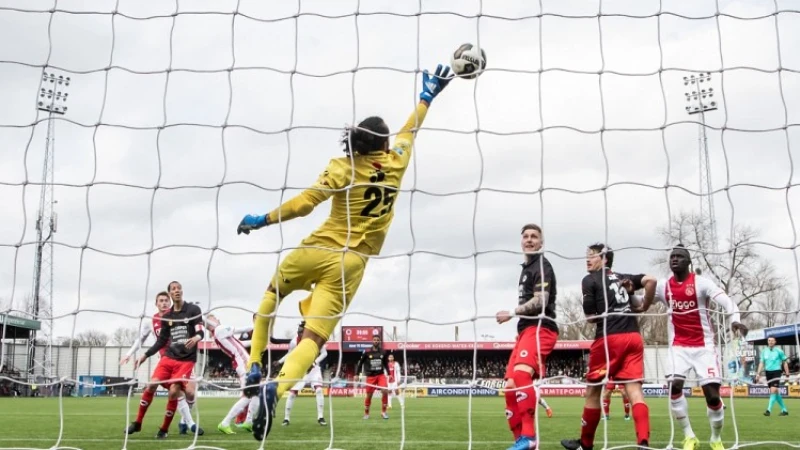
(700, 100)
(52, 98)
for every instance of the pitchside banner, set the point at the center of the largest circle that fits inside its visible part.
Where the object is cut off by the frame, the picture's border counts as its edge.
(461, 392)
(763, 391)
(357, 338)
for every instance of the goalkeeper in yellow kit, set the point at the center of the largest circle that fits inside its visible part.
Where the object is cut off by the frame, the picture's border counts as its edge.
(331, 261)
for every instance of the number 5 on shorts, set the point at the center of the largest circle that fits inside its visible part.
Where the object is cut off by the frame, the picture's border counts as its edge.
(712, 373)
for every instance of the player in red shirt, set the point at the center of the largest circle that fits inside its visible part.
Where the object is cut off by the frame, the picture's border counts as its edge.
(374, 363)
(182, 329)
(691, 342)
(626, 402)
(617, 352)
(537, 333)
(163, 304)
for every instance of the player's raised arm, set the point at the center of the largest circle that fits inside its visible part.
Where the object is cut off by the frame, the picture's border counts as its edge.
(649, 283)
(432, 85)
(334, 177)
(163, 338)
(137, 344)
(632, 283)
(718, 296)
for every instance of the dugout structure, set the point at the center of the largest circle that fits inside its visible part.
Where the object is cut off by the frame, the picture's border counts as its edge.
(15, 334)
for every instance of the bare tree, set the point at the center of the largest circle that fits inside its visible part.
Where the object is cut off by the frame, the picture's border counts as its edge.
(653, 325)
(125, 336)
(747, 277)
(573, 325)
(773, 309)
(88, 338)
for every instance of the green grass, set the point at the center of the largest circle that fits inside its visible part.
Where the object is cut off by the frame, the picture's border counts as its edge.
(430, 423)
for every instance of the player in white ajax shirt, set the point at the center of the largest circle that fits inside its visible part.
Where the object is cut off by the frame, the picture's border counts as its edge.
(224, 337)
(396, 379)
(691, 341)
(313, 378)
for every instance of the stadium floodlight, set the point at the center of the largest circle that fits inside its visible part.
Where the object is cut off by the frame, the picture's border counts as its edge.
(53, 93)
(700, 96)
(52, 98)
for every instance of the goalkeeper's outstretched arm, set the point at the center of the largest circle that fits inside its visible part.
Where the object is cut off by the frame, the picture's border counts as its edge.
(363, 142)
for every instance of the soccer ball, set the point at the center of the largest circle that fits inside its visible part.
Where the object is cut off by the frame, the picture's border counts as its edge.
(468, 61)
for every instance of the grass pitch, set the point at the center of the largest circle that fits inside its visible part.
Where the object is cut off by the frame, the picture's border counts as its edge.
(428, 423)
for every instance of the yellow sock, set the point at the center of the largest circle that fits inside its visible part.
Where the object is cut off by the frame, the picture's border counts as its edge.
(296, 365)
(261, 327)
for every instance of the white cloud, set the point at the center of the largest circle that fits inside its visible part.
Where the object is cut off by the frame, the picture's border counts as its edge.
(208, 177)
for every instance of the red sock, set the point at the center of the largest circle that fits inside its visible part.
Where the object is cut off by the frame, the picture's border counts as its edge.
(641, 421)
(368, 401)
(514, 420)
(242, 416)
(172, 405)
(627, 404)
(526, 403)
(384, 401)
(147, 398)
(606, 407)
(590, 420)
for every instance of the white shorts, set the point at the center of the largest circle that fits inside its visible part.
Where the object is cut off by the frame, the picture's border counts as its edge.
(392, 386)
(312, 378)
(703, 360)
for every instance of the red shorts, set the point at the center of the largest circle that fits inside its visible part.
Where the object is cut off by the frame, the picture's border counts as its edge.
(533, 346)
(376, 380)
(625, 358)
(169, 369)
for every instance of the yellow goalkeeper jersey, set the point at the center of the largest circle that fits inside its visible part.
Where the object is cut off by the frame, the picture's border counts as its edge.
(363, 188)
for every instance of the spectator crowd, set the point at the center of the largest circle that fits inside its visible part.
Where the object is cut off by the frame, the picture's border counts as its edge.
(426, 365)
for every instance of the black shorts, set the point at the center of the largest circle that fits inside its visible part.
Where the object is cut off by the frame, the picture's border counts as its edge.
(774, 378)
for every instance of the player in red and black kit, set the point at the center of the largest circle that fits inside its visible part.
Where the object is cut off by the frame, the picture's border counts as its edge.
(182, 327)
(537, 333)
(375, 365)
(617, 353)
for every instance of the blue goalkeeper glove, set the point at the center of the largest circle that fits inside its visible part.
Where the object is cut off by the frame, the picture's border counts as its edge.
(251, 222)
(432, 85)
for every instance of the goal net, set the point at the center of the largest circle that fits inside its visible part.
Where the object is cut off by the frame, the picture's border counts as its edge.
(137, 134)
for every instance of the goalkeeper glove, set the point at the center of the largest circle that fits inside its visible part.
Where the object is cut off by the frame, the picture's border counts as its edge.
(432, 85)
(251, 222)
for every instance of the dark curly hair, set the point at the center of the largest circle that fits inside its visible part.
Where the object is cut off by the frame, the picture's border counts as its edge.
(370, 135)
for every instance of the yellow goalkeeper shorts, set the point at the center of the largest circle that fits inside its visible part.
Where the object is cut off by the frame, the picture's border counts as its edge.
(332, 277)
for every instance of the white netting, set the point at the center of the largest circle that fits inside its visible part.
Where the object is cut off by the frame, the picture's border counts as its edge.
(184, 116)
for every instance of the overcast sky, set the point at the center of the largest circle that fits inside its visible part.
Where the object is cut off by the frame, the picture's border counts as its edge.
(452, 253)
